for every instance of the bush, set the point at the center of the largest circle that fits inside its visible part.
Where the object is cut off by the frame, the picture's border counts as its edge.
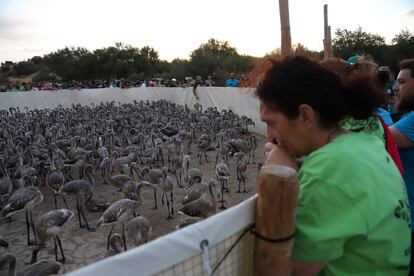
(45, 75)
(24, 68)
(136, 77)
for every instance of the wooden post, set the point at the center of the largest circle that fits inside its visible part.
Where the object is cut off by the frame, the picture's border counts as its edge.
(286, 42)
(278, 189)
(327, 41)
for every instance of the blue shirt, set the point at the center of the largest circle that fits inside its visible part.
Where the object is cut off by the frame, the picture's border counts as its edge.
(385, 116)
(232, 83)
(406, 126)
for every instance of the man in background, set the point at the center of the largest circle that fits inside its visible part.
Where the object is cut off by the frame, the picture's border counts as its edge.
(232, 82)
(403, 131)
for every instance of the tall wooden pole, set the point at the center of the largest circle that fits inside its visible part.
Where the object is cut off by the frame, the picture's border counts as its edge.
(286, 48)
(278, 189)
(327, 42)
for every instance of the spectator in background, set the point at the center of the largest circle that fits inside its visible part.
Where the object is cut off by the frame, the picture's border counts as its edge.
(209, 81)
(113, 84)
(232, 82)
(173, 82)
(12, 88)
(198, 82)
(403, 131)
(377, 123)
(387, 79)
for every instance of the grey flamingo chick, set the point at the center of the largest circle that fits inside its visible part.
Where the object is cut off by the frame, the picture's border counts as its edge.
(139, 230)
(83, 190)
(167, 185)
(222, 173)
(190, 173)
(49, 225)
(154, 176)
(197, 189)
(41, 268)
(133, 190)
(6, 185)
(115, 244)
(54, 180)
(118, 213)
(187, 220)
(253, 140)
(177, 166)
(117, 180)
(201, 207)
(97, 204)
(24, 199)
(241, 168)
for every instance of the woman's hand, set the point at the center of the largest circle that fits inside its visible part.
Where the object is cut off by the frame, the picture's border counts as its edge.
(279, 155)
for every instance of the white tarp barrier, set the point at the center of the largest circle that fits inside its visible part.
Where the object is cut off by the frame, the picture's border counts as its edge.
(240, 100)
(175, 247)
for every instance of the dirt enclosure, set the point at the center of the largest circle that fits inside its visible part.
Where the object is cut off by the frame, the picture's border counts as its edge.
(82, 247)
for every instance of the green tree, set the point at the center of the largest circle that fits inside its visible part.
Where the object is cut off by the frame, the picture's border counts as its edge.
(403, 37)
(24, 68)
(347, 43)
(211, 56)
(44, 74)
(65, 62)
(179, 69)
(37, 60)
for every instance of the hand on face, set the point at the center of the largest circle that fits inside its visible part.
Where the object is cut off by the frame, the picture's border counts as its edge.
(279, 155)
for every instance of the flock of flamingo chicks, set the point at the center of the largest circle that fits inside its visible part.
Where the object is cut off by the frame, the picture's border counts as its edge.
(132, 148)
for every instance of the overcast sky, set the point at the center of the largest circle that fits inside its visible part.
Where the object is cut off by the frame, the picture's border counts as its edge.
(174, 28)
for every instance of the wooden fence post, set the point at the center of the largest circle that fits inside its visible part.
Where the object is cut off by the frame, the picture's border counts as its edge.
(278, 188)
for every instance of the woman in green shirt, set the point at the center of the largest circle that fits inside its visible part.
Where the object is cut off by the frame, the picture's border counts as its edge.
(353, 213)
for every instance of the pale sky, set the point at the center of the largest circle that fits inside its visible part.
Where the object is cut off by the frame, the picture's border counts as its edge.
(175, 28)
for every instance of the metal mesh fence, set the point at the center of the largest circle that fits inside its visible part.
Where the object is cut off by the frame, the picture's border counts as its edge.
(232, 256)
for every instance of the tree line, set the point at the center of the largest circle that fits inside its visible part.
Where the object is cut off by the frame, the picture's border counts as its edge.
(215, 58)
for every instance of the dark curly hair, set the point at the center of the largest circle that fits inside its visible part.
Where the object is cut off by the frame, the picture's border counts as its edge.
(407, 64)
(296, 80)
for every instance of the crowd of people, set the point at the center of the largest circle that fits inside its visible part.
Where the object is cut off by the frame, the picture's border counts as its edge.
(18, 86)
(355, 210)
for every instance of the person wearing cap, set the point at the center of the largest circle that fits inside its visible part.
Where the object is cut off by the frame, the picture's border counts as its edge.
(173, 82)
(353, 59)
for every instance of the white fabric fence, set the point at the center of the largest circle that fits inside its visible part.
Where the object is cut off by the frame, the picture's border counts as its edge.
(240, 100)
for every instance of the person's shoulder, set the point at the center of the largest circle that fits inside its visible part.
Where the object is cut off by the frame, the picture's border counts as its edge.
(338, 150)
(407, 120)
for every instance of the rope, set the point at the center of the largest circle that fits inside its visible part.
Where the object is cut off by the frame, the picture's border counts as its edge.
(204, 247)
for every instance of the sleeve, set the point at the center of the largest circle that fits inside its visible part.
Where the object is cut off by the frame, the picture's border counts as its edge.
(385, 115)
(326, 219)
(406, 126)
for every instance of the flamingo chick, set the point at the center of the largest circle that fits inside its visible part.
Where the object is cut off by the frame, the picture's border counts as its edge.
(50, 225)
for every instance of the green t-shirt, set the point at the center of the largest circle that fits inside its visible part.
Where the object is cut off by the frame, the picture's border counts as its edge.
(371, 125)
(353, 211)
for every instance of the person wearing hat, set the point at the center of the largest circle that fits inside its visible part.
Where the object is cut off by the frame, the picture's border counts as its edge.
(173, 82)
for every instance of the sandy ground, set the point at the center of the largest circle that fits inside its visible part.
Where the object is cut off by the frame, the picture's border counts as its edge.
(82, 247)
